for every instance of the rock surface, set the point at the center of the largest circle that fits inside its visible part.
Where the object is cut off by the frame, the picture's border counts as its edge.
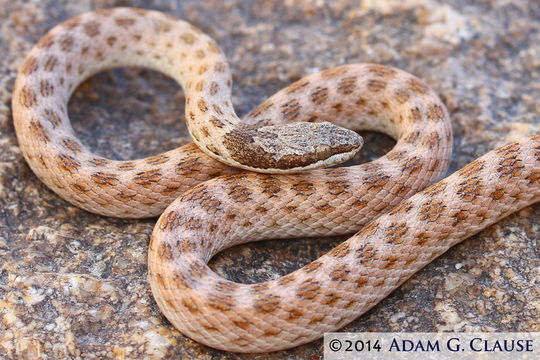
(74, 284)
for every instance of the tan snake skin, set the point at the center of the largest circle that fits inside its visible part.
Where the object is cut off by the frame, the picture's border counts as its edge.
(339, 286)
(237, 208)
(82, 46)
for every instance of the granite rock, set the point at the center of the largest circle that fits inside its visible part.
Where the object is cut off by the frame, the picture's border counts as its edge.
(74, 284)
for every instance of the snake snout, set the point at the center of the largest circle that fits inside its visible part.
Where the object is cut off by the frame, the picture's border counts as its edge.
(333, 144)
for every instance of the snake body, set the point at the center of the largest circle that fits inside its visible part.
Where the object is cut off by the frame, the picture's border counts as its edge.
(402, 227)
(92, 42)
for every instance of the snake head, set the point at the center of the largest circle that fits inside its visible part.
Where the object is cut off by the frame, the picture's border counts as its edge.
(291, 147)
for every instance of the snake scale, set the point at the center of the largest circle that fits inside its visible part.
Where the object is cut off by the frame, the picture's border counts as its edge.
(400, 224)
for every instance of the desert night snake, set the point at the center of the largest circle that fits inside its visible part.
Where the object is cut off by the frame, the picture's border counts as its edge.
(400, 226)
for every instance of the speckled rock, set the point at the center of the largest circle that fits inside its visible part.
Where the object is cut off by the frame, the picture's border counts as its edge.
(74, 285)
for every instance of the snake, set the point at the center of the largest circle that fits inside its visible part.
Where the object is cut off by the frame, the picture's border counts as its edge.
(244, 179)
